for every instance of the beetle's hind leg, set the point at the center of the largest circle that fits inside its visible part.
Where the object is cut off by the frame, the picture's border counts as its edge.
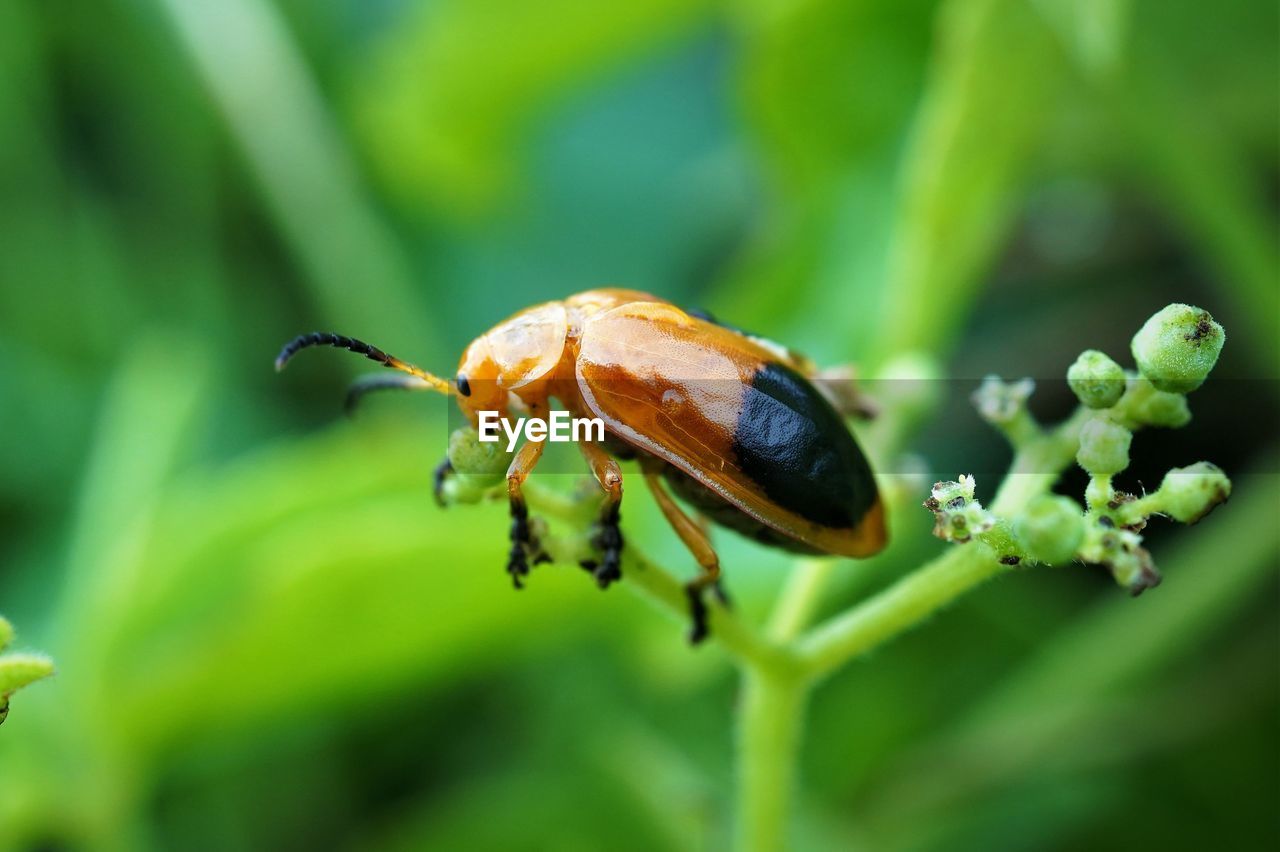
(524, 544)
(607, 536)
(842, 389)
(695, 538)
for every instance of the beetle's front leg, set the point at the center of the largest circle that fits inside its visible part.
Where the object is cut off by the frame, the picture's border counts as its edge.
(524, 545)
(607, 537)
(438, 477)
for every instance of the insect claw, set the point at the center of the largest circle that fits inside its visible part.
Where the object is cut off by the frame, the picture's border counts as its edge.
(609, 571)
(517, 565)
(607, 540)
(698, 612)
(522, 544)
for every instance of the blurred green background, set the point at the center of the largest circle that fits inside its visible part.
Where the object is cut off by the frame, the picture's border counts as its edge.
(267, 635)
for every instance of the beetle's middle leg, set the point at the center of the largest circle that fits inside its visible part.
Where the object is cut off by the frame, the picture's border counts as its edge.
(607, 537)
(523, 544)
(695, 538)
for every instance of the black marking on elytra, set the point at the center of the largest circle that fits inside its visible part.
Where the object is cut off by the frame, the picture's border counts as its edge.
(793, 444)
(726, 514)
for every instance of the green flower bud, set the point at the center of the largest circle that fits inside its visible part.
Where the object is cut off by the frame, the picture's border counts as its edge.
(1104, 447)
(1096, 380)
(1151, 407)
(1178, 347)
(478, 466)
(958, 517)
(1000, 402)
(1133, 569)
(1121, 551)
(1050, 529)
(469, 455)
(1187, 494)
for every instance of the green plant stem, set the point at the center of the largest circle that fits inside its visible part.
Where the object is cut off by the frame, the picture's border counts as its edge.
(799, 598)
(918, 595)
(1038, 464)
(660, 586)
(753, 651)
(902, 605)
(769, 727)
(779, 670)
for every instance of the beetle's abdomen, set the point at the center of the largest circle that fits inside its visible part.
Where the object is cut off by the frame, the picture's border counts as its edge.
(720, 511)
(726, 412)
(792, 444)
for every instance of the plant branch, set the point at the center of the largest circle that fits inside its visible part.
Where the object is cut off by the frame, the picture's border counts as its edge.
(902, 605)
(769, 727)
(742, 641)
(799, 599)
(657, 584)
(1035, 468)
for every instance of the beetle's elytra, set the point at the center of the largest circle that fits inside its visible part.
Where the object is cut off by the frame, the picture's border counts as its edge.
(733, 424)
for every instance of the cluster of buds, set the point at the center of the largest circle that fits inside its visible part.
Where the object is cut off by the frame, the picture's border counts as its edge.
(1174, 352)
(958, 515)
(474, 469)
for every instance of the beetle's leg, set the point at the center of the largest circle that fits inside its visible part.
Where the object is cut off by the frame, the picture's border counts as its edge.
(607, 537)
(694, 538)
(840, 386)
(523, 544)
(438, 477)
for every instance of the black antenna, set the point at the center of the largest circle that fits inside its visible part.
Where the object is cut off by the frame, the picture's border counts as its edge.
(378, 382)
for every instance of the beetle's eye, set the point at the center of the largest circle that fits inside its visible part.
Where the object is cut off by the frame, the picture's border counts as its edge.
(464, 386)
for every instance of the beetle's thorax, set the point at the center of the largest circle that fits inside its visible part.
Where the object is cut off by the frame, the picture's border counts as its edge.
(529, 357)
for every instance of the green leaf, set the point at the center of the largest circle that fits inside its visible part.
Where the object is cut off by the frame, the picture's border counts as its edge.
(997, 70)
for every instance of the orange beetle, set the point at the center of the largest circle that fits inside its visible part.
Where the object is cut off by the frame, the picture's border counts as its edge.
(732, 423)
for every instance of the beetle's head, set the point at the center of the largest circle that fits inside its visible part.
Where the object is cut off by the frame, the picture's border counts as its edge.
(514, 359)
(481, 383)
(512, 362)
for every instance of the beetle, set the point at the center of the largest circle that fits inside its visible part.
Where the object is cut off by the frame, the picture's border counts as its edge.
(735, 425)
